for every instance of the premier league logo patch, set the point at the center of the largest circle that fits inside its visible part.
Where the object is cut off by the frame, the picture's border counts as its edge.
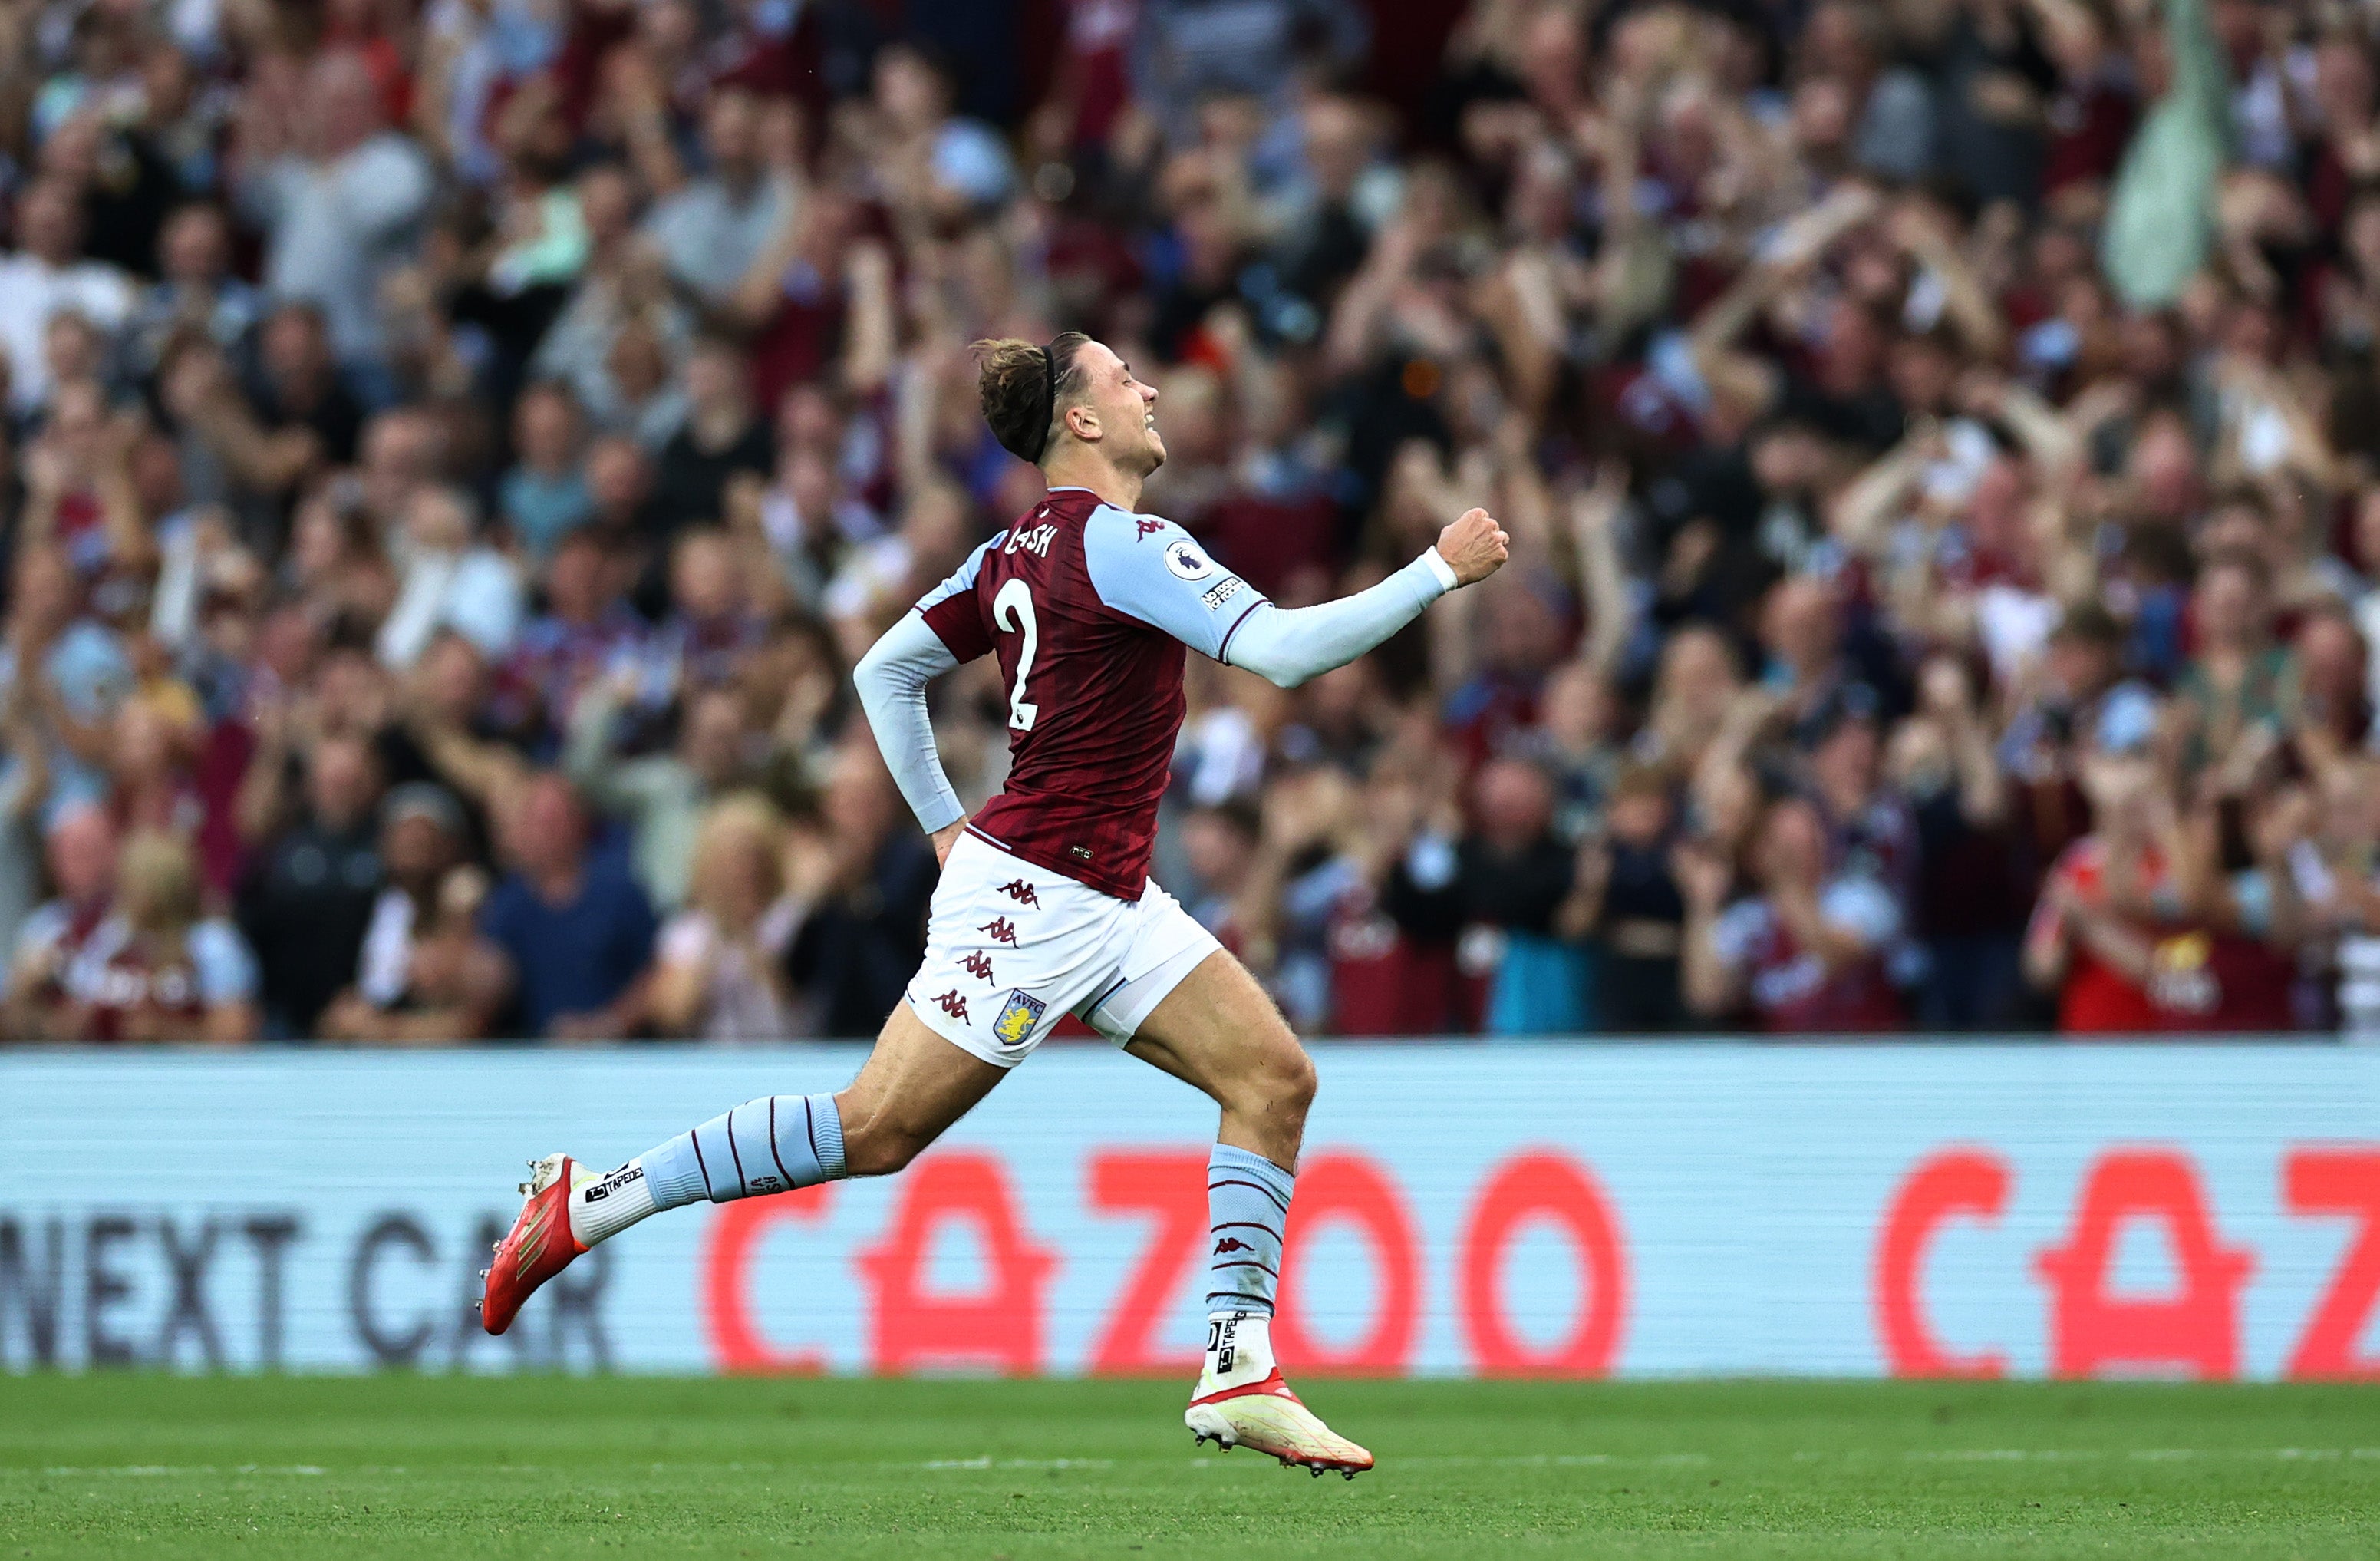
(1184, 558)
(1018, 1018)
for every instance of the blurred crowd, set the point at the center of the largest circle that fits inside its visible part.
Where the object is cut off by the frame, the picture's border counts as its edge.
(455, 450)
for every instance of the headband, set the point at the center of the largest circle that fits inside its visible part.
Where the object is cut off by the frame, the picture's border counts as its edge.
(1049, 404)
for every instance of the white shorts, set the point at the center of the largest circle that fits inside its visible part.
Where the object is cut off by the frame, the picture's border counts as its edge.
(1010, 947)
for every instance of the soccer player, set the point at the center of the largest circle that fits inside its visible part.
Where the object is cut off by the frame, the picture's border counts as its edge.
(1045, 905)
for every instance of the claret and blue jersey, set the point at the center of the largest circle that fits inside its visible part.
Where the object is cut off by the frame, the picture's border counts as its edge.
(1088, 609)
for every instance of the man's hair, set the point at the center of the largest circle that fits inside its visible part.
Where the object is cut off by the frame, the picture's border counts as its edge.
(1021, 387)
(2092, 623)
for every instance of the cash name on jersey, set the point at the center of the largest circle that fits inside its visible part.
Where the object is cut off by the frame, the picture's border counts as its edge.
(1035, 540)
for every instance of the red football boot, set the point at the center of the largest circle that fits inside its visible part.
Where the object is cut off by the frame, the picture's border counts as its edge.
(537, 1247)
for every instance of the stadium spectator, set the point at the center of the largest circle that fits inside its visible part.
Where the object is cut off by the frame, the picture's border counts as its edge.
(70, 667)
(337, 195)
(719, 969)
(1969, 899)
(711, 229)
(544, 495)
(664, 797)
(298, 392)
(1513, 882)
(80, 850)
(1626, 900)
(1806, 951)
(158, 968)
(865, 932)
(452, 581)
(2093, 940)
(46, 277)
(196, 290)
(421, 974)
(586, 633)
(308, 899)
(24, 787)
(719, 436)
(575, 932)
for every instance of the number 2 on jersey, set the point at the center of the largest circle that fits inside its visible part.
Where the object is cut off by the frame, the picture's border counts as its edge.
(1012, 609)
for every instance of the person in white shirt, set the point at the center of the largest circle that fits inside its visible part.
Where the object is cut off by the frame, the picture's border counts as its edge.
(711, 229)
(341, 200)
(451, 581)
(720, 966)
(47, 276)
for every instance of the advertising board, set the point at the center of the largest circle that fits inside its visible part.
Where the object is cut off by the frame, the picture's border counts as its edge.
(1909, 1208)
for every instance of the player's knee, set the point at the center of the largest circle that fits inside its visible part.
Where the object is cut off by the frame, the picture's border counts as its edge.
(880, 1152)
(1298, 1079)
(875, 1146)
(1279, 1086)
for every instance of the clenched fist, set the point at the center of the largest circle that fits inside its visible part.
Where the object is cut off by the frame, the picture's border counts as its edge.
(1474, 547)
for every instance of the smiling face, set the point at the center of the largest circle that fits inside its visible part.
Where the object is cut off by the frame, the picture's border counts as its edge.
(1112, 410)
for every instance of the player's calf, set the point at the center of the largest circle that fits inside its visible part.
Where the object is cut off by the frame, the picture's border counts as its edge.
(1241, 1400)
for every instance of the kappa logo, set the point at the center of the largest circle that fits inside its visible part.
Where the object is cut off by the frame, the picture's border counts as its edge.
(612, 1183)
(1016, 1019)
(1181, 556)
(1232, 1244)
(1221, 592)
(977, 964)
(1021, 892)
(953, 1004)
(1001, 930)
(1147, 527)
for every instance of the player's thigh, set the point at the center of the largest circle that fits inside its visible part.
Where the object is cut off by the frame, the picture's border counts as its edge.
(1218, 1033)
(912, 1086)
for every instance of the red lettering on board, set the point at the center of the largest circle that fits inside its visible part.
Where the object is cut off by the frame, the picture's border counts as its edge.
(999, 1326)
(2196, 1327)
(1351, 1188)
(1544, 1185)
(1970, 1182)
(736, 1343)
(1170, 1187)
(2338, 1181)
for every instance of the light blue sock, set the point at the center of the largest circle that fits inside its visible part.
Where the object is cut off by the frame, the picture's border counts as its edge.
(1247, 1203)
(767, 1145)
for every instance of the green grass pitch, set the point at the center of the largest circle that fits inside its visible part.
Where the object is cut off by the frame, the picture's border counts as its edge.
(150, 1466)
